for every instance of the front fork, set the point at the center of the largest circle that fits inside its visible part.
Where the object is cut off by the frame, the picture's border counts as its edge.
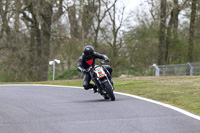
(105, 79)
(107, 73)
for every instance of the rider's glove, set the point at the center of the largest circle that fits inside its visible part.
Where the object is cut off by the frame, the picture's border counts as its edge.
(107, 60)
(84, 71)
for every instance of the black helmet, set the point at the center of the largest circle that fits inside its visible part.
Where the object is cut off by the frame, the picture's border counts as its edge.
(88, 51)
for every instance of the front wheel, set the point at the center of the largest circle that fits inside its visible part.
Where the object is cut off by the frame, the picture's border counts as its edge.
(109, 90)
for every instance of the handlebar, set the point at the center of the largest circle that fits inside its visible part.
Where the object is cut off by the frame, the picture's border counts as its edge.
(89, 69)
(103, 62)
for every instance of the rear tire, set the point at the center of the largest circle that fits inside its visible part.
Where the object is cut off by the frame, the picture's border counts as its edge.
(109, 90)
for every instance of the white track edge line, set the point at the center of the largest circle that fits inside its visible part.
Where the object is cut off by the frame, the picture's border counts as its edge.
(162, 104)
(129, 95)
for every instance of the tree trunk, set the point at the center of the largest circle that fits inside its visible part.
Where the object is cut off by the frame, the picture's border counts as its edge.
(74, 27)
(168, 39)
(46, 15)
(40, 22)
(172, 30)
(176, 11)
(192, 30)
(4, 12)
(87, 17)
(162, 32)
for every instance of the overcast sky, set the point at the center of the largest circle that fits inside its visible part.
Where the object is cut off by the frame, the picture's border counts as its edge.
(134, 6)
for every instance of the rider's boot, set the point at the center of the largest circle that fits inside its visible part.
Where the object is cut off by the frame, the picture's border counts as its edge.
(95, 89)
(112, 82)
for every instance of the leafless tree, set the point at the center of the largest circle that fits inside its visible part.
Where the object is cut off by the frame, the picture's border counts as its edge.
(40, 24)
(100, 15)
(162, 32)
(192, 29)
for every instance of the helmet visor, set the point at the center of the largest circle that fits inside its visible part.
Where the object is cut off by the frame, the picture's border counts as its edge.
(88, 53)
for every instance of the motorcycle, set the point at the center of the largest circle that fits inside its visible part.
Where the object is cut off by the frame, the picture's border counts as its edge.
(100, 76)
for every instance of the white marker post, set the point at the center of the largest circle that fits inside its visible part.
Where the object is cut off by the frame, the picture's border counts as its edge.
(54, 64)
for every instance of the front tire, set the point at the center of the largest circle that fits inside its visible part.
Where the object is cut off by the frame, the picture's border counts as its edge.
(109, 90)
(106, 97)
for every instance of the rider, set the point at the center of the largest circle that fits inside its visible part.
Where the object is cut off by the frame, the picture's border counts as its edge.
(88, 59)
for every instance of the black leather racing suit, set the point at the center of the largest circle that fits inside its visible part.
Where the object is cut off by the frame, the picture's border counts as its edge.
(85, 62)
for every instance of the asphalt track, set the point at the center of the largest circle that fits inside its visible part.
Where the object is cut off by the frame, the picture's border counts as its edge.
(54, 109)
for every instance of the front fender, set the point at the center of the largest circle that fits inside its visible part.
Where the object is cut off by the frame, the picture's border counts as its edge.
(103, 80)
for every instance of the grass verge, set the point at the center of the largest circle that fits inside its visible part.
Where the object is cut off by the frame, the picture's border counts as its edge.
(182, 92)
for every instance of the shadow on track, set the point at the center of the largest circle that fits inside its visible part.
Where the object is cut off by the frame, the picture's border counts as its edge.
(93, 101)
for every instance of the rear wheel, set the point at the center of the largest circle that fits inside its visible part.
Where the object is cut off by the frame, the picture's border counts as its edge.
(109, 91)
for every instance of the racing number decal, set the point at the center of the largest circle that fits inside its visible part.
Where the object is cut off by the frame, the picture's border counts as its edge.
(100, 72)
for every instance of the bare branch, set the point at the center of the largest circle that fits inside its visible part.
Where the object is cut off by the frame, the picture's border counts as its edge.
(183, 5)
(26, 17)
(2, 47)
(151, 10)
(59, 13)
(121, 21)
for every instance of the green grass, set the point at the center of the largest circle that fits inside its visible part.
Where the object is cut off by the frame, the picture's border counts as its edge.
(56, 82)
(183, 92)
